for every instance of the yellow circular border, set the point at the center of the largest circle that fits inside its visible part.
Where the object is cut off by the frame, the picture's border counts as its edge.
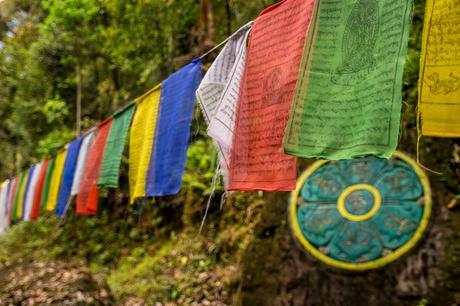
(371, 264)
(358, 218)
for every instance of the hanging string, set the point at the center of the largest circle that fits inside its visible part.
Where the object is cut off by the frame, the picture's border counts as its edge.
(419, 138)
(213, 190)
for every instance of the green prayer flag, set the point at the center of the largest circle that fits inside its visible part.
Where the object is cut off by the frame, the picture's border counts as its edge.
(348, 96)
(17, 196)
(46, 185)
(115, 144)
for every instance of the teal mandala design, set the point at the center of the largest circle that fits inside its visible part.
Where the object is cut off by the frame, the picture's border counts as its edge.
(361, 213)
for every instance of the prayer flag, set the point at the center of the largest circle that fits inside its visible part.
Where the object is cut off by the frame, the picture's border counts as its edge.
(169, 152)
(141, 141)
(439, 82)
(348, 97)
(39, 190)
(88, 194)
(68, 176)
(31, 191)
(110, 167)
(218, 94)
(18, 197)
(47, 183)
(275, 48)
(56, 179)
(12, 197)
(3, 207)
(22, 194)
(81, 163)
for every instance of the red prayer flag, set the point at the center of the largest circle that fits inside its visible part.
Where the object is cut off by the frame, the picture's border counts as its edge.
(11, 197)
(88, 193)
(38, 191)
(275, 50)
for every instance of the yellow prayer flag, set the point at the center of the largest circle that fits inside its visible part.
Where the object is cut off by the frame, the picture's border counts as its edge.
(56, 178)
(22, 190)
(439, 81)
(141, 141)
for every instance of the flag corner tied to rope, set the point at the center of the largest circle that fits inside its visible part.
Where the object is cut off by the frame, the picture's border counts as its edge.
(110, 167)
(172, 133)
(68, 176)
(218, 94)
(141, 141)
(257, 159)
(348, 95)
(56, 179)
(439, 81)
(88, 193)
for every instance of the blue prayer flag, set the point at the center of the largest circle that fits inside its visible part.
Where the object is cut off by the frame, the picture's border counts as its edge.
(168, 157)
(67, 176)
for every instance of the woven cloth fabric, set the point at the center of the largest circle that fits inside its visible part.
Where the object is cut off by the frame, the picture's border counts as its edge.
(116, 141)
(31, 191)
(172, 134)
(141, 141)
(439, 82)
(68, 176)
(88, 194)
(56, 179)
(348, 97)
(39, 190)
(88, 141)
(275, 48)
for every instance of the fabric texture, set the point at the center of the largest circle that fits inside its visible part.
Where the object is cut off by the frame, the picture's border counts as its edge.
(116, 141)
(439, 81)
(88, 141)
(275, 48)
(31, 191)
(18, 196)
(24, 192)
(4, 224)
(12, 197)
(218, 94)
(68, 176)
(141, 141)
(169, 152)
(56, 179)
(47, 183)
(88, 194)
(39, 190)
(348, 97)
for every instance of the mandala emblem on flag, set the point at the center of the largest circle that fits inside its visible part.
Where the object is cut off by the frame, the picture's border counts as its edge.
(361, 214)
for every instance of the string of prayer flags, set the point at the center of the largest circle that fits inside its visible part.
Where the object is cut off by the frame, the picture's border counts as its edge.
(4, 207)
(86, 144)
(439, 82)
(348, 96)
(111, 161)
(56, 179)
(17, 197)
(172, 134)
(141, 141)
(68, 176)
(31, 191)
(47, 183)
(12, 197)
(88, 194)
(218, 94)
(39, 190)
(275, 48)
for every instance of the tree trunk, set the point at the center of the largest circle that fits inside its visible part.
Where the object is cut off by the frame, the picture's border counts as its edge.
(78, 100)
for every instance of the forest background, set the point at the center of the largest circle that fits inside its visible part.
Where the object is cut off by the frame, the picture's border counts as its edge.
(67, 65)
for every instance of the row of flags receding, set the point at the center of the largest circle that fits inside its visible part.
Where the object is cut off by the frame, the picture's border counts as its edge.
(310, 78)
